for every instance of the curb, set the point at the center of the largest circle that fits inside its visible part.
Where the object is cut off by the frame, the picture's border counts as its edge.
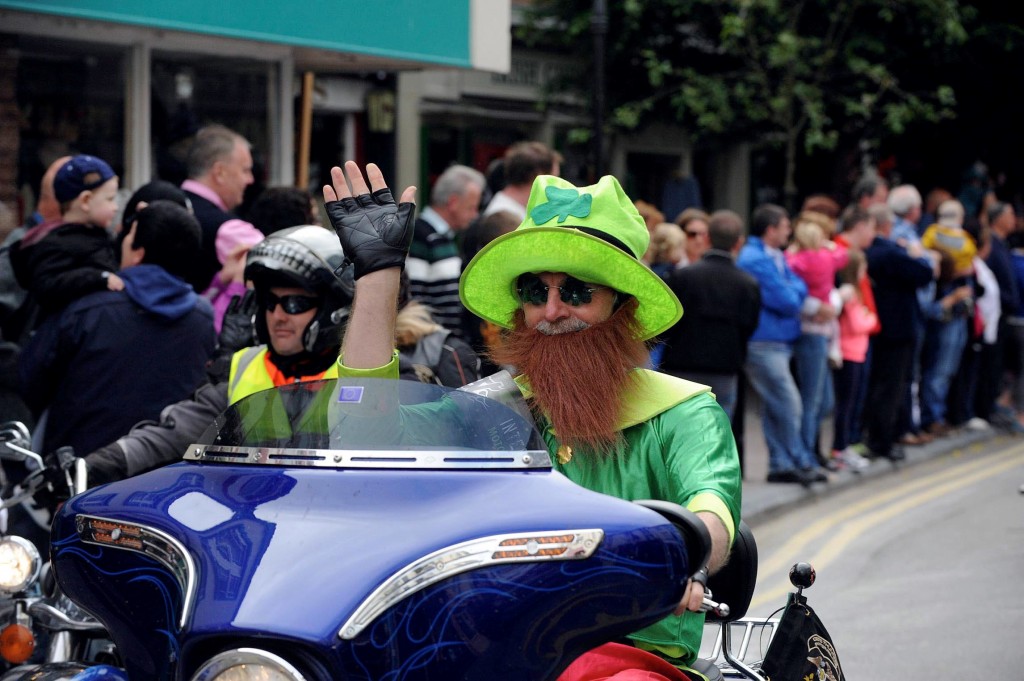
(763, 500)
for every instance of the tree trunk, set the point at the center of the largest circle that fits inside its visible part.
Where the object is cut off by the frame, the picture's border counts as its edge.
(789, 188)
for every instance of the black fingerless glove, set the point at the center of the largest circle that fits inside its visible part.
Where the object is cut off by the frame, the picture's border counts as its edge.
(374, 231)
(237, 332)
(237, 328)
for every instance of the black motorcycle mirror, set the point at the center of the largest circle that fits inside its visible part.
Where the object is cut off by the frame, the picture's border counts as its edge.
(15, 443)
(695, 533)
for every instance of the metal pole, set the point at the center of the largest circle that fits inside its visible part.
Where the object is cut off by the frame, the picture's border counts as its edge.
(599, 27)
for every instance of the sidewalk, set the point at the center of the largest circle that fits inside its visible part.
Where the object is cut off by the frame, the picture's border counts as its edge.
(762, 500)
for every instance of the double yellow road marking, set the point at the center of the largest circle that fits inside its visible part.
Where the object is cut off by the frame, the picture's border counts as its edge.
(871, 511)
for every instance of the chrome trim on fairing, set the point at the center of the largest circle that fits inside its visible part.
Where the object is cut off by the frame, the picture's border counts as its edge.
(471, 555)
(244, 658)
(158, 545)
(370, 458)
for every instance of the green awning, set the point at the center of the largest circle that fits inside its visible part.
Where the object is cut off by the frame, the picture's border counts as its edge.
(438, 32)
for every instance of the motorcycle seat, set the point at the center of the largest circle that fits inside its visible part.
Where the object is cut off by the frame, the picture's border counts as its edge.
(734, 583)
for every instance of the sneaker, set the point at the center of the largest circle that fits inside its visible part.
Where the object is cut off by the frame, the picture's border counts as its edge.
(815, 474)
(895, 454)
(788, 476)
(860, 448)
(834, 465)
(852, 460)
(912, 439)
(978, 423)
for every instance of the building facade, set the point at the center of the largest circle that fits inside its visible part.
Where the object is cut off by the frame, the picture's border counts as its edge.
(131, 80)
(412, 86)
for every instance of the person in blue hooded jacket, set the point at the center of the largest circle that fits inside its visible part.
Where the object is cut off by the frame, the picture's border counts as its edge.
(113, 358)
(784, 301)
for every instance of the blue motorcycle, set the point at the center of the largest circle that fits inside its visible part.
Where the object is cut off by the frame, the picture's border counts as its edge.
(365, 529)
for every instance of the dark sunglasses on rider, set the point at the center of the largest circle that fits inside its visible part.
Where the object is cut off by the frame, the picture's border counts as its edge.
(532, 291)
(295, 304)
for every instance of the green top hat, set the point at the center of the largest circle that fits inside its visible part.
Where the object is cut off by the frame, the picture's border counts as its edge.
(592, 233)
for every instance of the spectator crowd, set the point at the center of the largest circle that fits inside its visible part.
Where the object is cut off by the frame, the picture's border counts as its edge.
(892, 318)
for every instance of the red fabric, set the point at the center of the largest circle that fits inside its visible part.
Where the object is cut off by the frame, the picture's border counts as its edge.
(979, 324)
(618, 662)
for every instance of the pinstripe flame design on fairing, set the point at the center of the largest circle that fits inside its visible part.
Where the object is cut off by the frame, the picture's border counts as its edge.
(448, 606)
(158, 576)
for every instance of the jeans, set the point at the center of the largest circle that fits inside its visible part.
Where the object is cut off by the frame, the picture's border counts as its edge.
(768, 370)
(910, 410)
(960, 399)
(810, 356)
(943, 349)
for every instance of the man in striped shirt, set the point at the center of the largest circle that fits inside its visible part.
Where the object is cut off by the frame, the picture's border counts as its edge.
(434, 264)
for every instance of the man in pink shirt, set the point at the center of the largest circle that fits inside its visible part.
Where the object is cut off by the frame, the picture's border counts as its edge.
(219, 170)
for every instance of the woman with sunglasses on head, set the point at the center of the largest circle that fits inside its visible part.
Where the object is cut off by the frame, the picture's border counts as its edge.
(577, 304)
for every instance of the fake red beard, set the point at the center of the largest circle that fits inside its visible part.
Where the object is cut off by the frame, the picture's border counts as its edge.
(578, 378)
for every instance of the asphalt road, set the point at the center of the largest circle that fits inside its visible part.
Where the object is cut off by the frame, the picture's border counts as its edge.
(920, 574)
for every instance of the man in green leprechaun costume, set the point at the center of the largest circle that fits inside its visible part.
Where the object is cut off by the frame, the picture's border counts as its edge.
(577, 304)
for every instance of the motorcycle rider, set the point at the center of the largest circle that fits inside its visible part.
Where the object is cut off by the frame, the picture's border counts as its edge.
(301, 296)
(300, 302)
(579, 303)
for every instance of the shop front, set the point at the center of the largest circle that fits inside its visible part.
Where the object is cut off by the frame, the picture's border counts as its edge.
(131, 81)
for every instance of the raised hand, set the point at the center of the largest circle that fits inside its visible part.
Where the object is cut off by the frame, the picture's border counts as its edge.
(374, 231)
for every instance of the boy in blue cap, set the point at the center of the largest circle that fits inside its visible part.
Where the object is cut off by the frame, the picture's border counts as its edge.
(58, 262)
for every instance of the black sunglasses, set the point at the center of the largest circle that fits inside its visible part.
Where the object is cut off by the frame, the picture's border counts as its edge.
(532, 291)
(296, 304)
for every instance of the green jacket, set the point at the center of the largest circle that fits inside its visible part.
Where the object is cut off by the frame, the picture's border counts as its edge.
(680, 449)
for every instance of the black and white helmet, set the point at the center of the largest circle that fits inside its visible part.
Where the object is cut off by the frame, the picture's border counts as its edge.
(309, 257)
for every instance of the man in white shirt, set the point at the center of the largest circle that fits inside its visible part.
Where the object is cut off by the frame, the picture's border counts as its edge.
(434, 264)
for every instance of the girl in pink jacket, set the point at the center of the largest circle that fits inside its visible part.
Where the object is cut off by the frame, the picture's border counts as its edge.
(855, 324)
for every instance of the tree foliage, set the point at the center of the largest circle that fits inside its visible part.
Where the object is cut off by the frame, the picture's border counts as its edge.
(797, 75)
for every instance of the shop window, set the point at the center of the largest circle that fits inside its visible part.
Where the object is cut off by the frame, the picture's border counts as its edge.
(189, 92)
(70, 100)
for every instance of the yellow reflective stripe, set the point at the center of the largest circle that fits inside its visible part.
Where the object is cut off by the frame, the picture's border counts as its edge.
(708, 502)
(248, 374)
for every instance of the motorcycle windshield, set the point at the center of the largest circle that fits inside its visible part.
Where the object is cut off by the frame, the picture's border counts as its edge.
(349, 416)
